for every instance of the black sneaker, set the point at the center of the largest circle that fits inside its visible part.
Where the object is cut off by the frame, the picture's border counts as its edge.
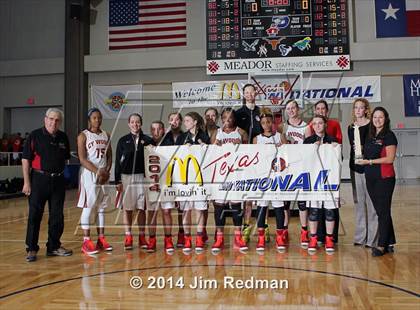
(31, 257)
(377, 252)
(60, 252)
(389, 249)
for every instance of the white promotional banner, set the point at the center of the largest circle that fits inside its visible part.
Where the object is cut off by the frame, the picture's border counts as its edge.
(228, 93)
(207, 93)
(341, 89)
(243, 172)
(117, 100)
(278, 65)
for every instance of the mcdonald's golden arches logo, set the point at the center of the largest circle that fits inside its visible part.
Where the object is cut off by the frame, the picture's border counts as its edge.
(230, 90)
(183, 166)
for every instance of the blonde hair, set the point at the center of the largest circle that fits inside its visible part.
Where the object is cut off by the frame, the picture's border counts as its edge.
(266, 112)
(368, 112)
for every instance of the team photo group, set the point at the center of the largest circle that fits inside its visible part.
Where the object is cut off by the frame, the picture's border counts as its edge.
(372, 153)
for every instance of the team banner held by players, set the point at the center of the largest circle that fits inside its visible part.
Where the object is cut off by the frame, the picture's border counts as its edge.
(117, 100)
(228, 93)
(243, 172)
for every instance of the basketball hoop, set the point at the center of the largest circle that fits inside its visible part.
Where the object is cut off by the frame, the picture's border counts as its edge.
(275, 101)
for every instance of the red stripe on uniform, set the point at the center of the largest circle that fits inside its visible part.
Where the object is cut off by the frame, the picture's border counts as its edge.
(36, 162)
(387, 170)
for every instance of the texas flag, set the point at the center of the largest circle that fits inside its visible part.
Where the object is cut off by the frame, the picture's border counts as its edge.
(397, 18)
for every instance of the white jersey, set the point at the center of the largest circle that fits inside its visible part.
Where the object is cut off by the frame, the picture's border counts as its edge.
(273, 139)
(232, 137)
(295, 134)
(90, 194)
(96, 145)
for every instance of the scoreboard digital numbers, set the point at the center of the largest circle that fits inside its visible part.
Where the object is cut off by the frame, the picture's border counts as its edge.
(274, 36)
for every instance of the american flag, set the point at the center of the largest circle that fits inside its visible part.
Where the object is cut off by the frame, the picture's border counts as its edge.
(147, 24)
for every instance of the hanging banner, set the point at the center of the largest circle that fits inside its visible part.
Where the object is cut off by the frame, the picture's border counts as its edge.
(412, 94)
(277, 65)
(228, 93)
(117, 100)
(243, 172)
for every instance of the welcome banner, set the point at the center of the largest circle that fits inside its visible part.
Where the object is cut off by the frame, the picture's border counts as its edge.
(228, 93)
(243, 172)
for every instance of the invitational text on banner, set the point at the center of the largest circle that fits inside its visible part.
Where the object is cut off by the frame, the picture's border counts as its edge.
(243, 172)
(228, 93)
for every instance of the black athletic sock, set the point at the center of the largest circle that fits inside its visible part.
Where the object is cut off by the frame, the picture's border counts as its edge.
(236, 214)
(219, 215)
(261, 214)
(279, 213)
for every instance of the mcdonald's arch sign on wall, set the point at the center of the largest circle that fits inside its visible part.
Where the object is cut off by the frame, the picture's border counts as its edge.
(219, 93)
(243, 172)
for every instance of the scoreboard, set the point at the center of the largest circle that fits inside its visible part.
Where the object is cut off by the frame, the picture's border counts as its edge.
(274, 36)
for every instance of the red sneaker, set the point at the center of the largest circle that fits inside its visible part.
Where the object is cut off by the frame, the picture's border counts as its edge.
(205, 236)
(281, 239)
(151, 245)
(128, 242)
(88, 247)
(313, 244)
(286, 236)
(261, 240)
(239, 242)
(218, 243)
(143, 242)
(181, 240)
(304, 237)
(329, 244)
(169, 246)
(187, 243)
(102, 244)
(199, 243)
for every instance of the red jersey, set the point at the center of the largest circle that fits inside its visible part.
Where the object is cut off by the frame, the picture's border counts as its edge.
(333, 130)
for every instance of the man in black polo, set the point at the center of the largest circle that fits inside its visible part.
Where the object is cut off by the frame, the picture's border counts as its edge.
(248, 116)
(248, 119)
(44, 156)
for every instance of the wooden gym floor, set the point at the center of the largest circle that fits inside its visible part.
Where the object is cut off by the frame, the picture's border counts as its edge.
(349, 279)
